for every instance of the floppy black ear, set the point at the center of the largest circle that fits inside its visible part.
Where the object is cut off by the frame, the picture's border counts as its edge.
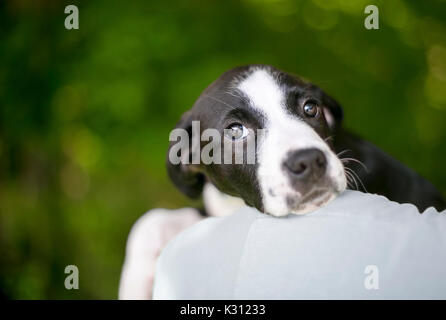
(184, 175)
(333, 112)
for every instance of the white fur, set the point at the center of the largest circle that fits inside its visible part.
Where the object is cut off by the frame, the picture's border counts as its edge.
(284, 133)
(218, 204)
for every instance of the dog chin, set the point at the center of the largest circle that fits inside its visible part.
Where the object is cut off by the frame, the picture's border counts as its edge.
(312, 205)
(298, 205)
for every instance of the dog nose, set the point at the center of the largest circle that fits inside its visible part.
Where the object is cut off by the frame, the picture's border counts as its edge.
(308, 164)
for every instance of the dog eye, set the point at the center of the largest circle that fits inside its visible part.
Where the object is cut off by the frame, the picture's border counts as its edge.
(236, 131)
(310, 109)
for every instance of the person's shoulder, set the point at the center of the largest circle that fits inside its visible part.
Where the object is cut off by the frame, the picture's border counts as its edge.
(215, 228)
(353, 206)
(193, 255)
(348, 205)
(356, 203)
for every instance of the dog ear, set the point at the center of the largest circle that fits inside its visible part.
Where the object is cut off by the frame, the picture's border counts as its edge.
(333, 112)
(184, 175)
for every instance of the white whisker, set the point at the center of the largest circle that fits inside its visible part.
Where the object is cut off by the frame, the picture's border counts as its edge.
(357, 176)
(342, 152)
(352, 177)
(357, 161)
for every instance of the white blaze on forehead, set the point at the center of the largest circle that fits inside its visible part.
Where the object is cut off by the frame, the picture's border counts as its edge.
(263, 91)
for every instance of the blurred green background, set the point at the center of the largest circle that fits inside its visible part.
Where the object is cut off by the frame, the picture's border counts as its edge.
(85, 114)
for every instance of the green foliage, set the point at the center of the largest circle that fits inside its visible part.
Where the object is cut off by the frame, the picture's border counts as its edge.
(85, 114)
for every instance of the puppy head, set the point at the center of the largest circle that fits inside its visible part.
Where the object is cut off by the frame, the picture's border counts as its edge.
(289, 123)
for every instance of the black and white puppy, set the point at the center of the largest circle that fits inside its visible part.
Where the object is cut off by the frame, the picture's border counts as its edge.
(298, 163)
